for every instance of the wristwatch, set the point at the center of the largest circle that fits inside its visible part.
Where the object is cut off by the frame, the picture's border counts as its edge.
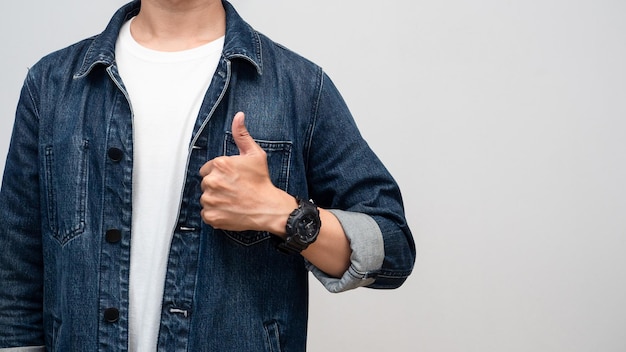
(303, 226)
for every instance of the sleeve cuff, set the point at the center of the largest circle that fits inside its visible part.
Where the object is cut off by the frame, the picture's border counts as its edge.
(368, 253)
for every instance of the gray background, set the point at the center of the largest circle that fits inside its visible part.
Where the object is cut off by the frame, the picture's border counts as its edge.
(503, 122)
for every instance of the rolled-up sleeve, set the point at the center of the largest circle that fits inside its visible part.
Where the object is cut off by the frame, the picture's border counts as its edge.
(368, 253)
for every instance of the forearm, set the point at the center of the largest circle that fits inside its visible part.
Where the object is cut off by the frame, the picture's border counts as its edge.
(331, 251)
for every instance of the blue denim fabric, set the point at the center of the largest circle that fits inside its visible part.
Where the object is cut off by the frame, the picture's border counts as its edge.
(65, 203)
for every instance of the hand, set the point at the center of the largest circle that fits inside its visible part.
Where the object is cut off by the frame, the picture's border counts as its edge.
(237, 193)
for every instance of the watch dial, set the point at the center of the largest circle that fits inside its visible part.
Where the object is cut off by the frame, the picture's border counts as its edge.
(308, 228)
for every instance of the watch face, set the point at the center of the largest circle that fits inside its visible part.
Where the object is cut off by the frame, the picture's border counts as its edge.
(308, 228)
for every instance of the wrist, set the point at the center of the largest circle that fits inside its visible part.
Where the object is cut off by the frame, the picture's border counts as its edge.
(286, 203)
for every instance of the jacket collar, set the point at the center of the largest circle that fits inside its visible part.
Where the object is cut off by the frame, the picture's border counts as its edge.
(240, 42)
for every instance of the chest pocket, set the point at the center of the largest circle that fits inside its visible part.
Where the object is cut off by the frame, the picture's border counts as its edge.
(66, 189)
(278, 162)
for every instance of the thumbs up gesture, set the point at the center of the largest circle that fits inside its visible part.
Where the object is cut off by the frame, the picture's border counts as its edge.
(237, 193)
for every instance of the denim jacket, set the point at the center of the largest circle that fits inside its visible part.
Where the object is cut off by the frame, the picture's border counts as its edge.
(65, 204)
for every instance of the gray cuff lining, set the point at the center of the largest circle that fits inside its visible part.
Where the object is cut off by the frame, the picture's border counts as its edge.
(368, 252)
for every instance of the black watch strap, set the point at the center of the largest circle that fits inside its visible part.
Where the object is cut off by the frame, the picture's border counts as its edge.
(289, 246)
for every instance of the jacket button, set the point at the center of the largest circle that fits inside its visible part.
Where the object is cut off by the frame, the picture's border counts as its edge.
(115, 154)
(111, 315)
(113, 235)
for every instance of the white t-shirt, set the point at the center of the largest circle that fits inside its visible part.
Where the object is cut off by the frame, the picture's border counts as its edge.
(166, 90)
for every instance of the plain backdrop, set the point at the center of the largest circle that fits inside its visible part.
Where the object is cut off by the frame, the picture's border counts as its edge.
(504, 123)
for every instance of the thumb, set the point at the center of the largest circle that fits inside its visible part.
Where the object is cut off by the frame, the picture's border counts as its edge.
(242, 137)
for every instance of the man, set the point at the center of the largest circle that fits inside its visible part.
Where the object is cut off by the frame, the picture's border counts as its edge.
(156, 191)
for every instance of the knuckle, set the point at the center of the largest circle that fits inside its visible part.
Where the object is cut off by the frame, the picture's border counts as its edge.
(209, 217)
(206, 182)
(220, 162)
(205, 199)
(205, 217)
(211, 182)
